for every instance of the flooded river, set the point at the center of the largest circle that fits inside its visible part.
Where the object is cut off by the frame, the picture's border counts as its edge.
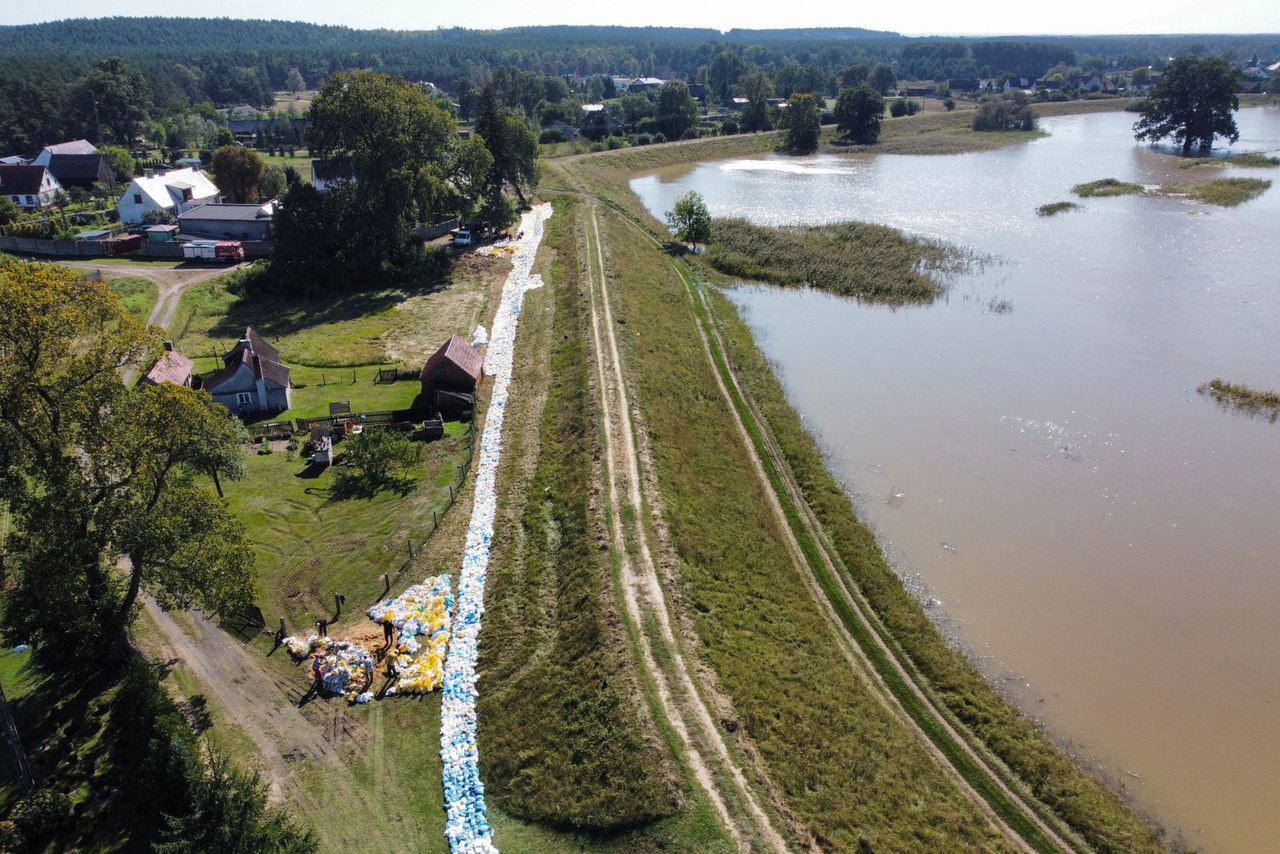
(1033, 450)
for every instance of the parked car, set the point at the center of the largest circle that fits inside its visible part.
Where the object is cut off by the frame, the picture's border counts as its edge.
(462, 237)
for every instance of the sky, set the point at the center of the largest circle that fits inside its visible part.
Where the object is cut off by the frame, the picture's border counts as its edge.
(923, 17)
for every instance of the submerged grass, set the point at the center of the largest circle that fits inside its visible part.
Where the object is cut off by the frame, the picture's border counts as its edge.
(566, 741)
(1237, 397)
(1249, 159)
(1107, 187)
(1223, 192)
(1055, 208)
(858, 259)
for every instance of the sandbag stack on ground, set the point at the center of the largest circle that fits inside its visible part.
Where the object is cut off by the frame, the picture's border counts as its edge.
(423, 609)
(467, 820)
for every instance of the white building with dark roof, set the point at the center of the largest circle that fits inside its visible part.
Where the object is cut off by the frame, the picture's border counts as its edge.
(171, 193)
(252, 378)
(75, 146)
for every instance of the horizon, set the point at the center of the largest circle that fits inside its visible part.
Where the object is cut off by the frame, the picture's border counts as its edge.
(330, 13)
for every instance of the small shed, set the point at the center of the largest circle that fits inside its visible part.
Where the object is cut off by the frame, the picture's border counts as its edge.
(455, 368)
(162, 233)
(171, 367)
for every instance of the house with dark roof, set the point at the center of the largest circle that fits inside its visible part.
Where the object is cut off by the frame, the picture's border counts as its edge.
(252, 379)
(171, 367)
(450, 376)
(75, 146)
(229, 221)
(29, 186)
(82, 170)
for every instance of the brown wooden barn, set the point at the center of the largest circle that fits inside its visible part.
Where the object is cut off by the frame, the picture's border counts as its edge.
(450, 376)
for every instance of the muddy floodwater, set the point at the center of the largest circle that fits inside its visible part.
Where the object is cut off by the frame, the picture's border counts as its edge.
(1031, 448)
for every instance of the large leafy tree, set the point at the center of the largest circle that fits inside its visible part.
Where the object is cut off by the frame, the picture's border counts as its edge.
(859, 112)
(677, 111)
(1194, 101)
(115, 97)
(513, 145)
(238, 172)
(757, 88)
(802, 121)
(93, 469)
(689, 219)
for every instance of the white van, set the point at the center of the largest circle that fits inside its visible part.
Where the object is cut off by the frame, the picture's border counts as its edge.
(462, 237)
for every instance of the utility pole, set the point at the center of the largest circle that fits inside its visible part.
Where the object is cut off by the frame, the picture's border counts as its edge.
(96, 120)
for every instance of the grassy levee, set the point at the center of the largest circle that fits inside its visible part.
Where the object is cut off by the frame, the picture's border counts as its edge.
(1074, 795)
(567, 739)
(1084, 803)
(847, 767)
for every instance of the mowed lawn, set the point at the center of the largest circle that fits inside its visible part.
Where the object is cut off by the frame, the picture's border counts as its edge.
(311, 544)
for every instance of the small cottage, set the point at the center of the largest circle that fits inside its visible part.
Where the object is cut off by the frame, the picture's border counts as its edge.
(252, 378)
(171, 367)
(30, 187)
(450, 376)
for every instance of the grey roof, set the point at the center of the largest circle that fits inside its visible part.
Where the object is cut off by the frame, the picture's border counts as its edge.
(226, 213)
(71, 167)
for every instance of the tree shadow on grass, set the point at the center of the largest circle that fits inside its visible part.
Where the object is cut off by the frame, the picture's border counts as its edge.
(278, 315)
(348, 485)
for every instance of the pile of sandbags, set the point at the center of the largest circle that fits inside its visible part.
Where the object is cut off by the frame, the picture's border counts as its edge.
(421, 610)
(342, 667)
(467, 820)
(298, 648)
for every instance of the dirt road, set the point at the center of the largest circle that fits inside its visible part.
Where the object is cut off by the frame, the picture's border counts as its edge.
(714, 766)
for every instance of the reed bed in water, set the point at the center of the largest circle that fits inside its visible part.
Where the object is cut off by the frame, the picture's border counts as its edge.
(857, 259)
(1055, 208)
(1107, 187)
(1241, 398)
(1225, 192)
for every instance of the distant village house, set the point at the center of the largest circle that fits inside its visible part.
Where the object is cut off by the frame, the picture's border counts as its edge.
(31, 187)
(170, 193)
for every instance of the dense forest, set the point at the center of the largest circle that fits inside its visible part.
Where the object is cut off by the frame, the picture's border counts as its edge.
(46, 69)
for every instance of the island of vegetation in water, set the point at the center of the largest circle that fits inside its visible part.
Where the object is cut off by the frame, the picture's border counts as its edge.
(1238, 397)
(1055, 208)
(1224, 192)
(1249, 159)
(857, 259)
(1107, 187)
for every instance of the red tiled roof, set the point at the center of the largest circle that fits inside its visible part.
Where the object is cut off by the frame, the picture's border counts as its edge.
(458, 352)
(171, 367)
(260, 345)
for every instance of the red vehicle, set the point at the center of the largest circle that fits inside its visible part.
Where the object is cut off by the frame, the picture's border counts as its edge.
(226, 251)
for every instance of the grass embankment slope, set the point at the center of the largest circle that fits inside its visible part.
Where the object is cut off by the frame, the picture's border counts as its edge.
(847, 769)
(567, 737)
(1074, 795)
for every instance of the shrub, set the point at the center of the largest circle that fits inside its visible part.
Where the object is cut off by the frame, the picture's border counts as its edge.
(1004, 114)
(643, 139)
(729, 127)
(659, 137)
(898, 108)
(950, 104)
(616, 142)
(690, 133)
(550, 136)
(40, 815)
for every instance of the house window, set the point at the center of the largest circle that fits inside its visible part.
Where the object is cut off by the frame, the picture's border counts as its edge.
(137, 198)
(244, 398)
